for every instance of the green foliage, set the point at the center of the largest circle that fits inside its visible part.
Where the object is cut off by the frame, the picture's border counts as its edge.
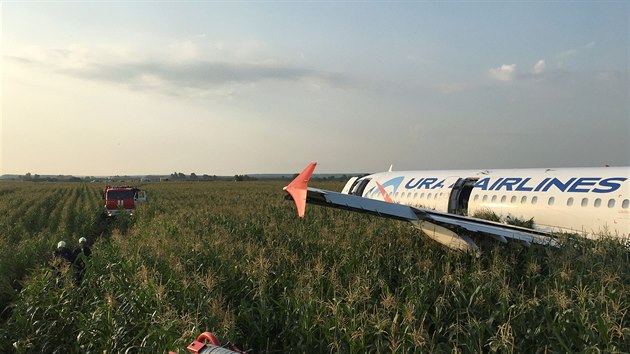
(522, 223)
(234, 259)
(490, 215)
(487, 214)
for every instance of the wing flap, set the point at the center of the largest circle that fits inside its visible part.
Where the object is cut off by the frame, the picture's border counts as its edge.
(500, 231)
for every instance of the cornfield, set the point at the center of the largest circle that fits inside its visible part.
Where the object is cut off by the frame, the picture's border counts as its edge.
(233, 258)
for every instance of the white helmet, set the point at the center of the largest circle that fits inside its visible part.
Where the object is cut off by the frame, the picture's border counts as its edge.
(82, 239)
(61, 244)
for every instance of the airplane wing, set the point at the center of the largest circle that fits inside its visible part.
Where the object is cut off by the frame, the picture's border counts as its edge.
(443, 227)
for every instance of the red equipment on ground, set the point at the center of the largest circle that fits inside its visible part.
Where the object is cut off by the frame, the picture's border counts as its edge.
(213, 346)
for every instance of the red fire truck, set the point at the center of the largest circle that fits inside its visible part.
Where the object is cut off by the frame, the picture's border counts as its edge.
(122, 199)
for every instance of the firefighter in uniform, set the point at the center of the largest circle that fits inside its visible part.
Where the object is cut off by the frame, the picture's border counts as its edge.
(81, 254)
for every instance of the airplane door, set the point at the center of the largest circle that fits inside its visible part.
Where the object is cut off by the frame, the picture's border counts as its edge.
(458, 200)
(349, 185)
(454, 197)
(358, 188)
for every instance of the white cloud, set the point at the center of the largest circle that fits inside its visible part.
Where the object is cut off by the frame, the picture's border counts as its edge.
(539, 67)
(190, 71)
(570, 54)
(503, 73)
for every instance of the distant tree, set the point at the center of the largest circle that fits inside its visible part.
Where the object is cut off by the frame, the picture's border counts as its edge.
(178, 176)
(27, 176)
(193, 176)
(240, 178)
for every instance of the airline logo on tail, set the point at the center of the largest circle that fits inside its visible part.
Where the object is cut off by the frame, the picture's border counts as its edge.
(394, 182)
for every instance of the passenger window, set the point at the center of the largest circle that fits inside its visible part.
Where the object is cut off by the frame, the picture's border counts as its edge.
(415, 195)
(421, 195)
(625, 203)
(523, 199)
(402, 195)
(503, 199)
(611, 203)
(584, 202)
(551, 201)
(485, 198)
(429, 196)
(435, 196)
(598, 202)
(494, 198)
(570, 201)
(534, 200)
(513, 200)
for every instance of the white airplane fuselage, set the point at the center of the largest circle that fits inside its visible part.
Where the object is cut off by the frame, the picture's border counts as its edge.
(592, 202)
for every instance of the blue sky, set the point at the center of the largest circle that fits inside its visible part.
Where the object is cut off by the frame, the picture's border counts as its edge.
(102, 88)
